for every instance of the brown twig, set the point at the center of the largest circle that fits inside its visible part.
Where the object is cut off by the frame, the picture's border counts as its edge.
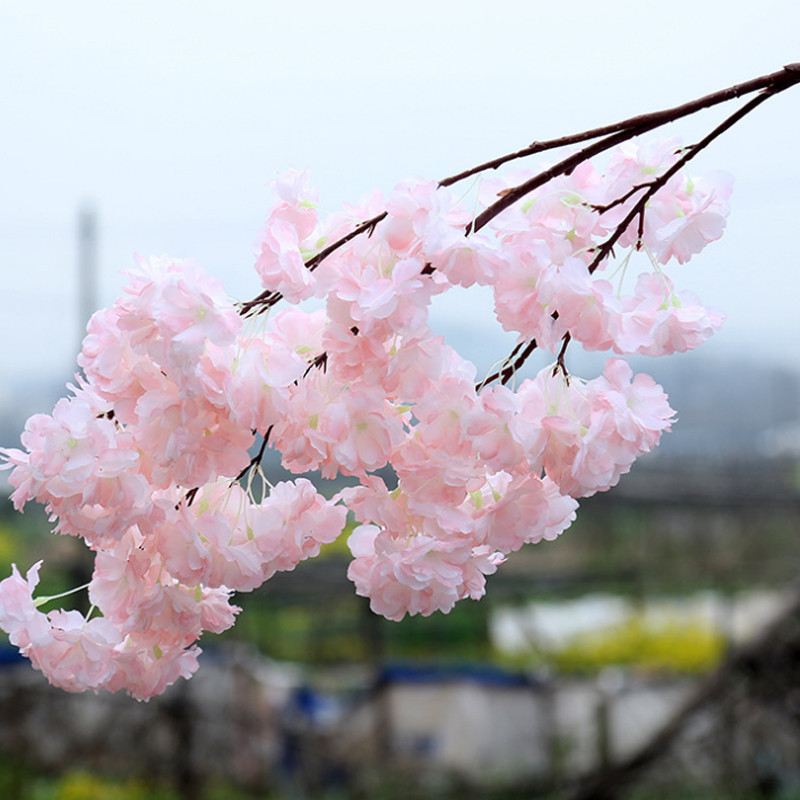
(563, 167)
(269, 298)
(783, 78)
(256, 459)
(689, 153)
(321, 360)
(560, 363)
(254, 462)
(513, 362)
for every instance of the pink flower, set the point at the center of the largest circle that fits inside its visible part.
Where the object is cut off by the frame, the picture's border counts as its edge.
(412, 576)
(409, 207)
(437, 462)
(81, 654)
(489, 426)
(145, 671)
(290, 227)
(187, 440)
(379, 294)
(209, 543)
(530, 510)
(407, 563)
(259, 381)
(640, 408)
(301, 331)
(636, 163)
(280, 262)
(116, 371)
(83, 468)
(658, 321)
(695, 216)
(292, 524)
(26, 627)
(463, 259)
(586, 305)
(521, 302)
(172, 309)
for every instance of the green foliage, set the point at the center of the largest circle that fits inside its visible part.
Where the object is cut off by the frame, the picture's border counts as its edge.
(340, 630)
(461, 634)
(81, 785)
(21, 782)
(10, 549)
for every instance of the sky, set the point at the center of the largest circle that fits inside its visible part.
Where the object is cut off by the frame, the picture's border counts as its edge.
(169, 118)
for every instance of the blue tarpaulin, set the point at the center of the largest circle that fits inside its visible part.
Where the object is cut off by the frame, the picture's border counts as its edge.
(483, 674)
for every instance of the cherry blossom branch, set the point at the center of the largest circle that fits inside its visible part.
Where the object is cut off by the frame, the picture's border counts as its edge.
(513, 362)
(615, 133)
(638, 209)
(653, 186)
(254, 462)
(256, 459)
(782, 79)
(771, 84)
(517, 358)
(563, 167)
(269, 298)
(111, 478)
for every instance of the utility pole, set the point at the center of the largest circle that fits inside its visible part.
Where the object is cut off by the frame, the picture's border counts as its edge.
(87, 268)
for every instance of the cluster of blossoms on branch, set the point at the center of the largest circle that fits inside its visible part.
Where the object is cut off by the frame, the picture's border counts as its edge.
(148, 460)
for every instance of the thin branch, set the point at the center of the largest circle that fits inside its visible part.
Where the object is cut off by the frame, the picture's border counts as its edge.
(255, 460)
(269, 298)
(623, 198)
(782, 79)
(639, 206)
(512, 363)
(560, 364)
(756, 657)
(563, 167)
(321, 360)
(615, 133)
(367, 227)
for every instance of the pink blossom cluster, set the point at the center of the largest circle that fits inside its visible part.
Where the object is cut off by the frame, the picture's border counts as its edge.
(141, 462)
(545, 287)
(149, 459)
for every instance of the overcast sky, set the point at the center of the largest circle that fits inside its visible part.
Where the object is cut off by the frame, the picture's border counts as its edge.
(170, 117)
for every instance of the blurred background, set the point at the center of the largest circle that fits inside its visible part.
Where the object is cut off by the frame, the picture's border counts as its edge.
(653, 650)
